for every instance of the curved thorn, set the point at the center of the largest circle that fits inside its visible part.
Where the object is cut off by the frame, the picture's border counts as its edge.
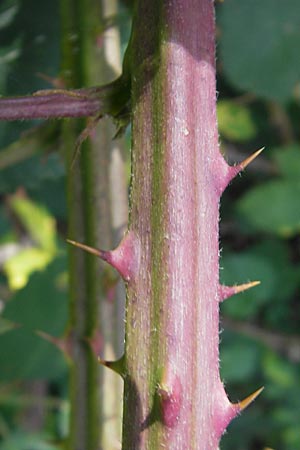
(248, 400)
(247, 161)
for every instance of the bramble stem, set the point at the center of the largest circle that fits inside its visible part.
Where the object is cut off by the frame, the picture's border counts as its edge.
(174, 397)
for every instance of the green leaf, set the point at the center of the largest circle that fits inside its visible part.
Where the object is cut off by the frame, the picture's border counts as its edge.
(291, 433)
(49, 192)
(8, 10)
(41, 305)
(42, 170)
(279, 371)
(239, 360)
(4, 225)
(19, 267)
(24, 441)
(41, 227)
(34, 34)
(6, 325)
(235, 121)
(260, 46)
(276, 254)
(40, 49)
(272, 207)
(37, 221)
(287, 160)
(25, 355)
(8, 55)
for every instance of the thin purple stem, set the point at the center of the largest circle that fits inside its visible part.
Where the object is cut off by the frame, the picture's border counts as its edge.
(51, 104)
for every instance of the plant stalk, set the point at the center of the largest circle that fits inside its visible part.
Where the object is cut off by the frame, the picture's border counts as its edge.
(93, 219)
(173, 396)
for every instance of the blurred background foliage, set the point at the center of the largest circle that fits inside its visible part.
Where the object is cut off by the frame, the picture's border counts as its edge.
(259, 105)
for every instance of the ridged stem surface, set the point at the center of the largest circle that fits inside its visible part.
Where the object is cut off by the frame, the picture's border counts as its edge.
(174, 398)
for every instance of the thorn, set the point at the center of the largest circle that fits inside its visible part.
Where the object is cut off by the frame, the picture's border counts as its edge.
(57, 83)
(247, 161)
(248, 400)
(124, 258)
(245, 286)
(87, 248)
(64, 344)
(224, 173)
(228, 291)
(102, 254)
(92, 122)
(95, 342)
(117, 366)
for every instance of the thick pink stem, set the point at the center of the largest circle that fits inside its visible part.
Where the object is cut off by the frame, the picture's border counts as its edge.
(174, 397)
(192, 152)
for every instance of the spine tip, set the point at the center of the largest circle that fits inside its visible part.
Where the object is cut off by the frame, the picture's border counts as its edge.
(247, 161)
(228, 291)
(230, 172)
(240, 406)
(87, 248)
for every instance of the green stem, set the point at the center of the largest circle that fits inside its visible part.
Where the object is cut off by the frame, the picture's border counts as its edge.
(84, 372)
(95, 401)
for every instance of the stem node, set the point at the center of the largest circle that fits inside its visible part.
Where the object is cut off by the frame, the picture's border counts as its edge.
(170, 395)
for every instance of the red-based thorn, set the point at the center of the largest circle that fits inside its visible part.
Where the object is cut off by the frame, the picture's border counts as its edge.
(225, 173)
(227, 291)
(225, 411)
(124, 258)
